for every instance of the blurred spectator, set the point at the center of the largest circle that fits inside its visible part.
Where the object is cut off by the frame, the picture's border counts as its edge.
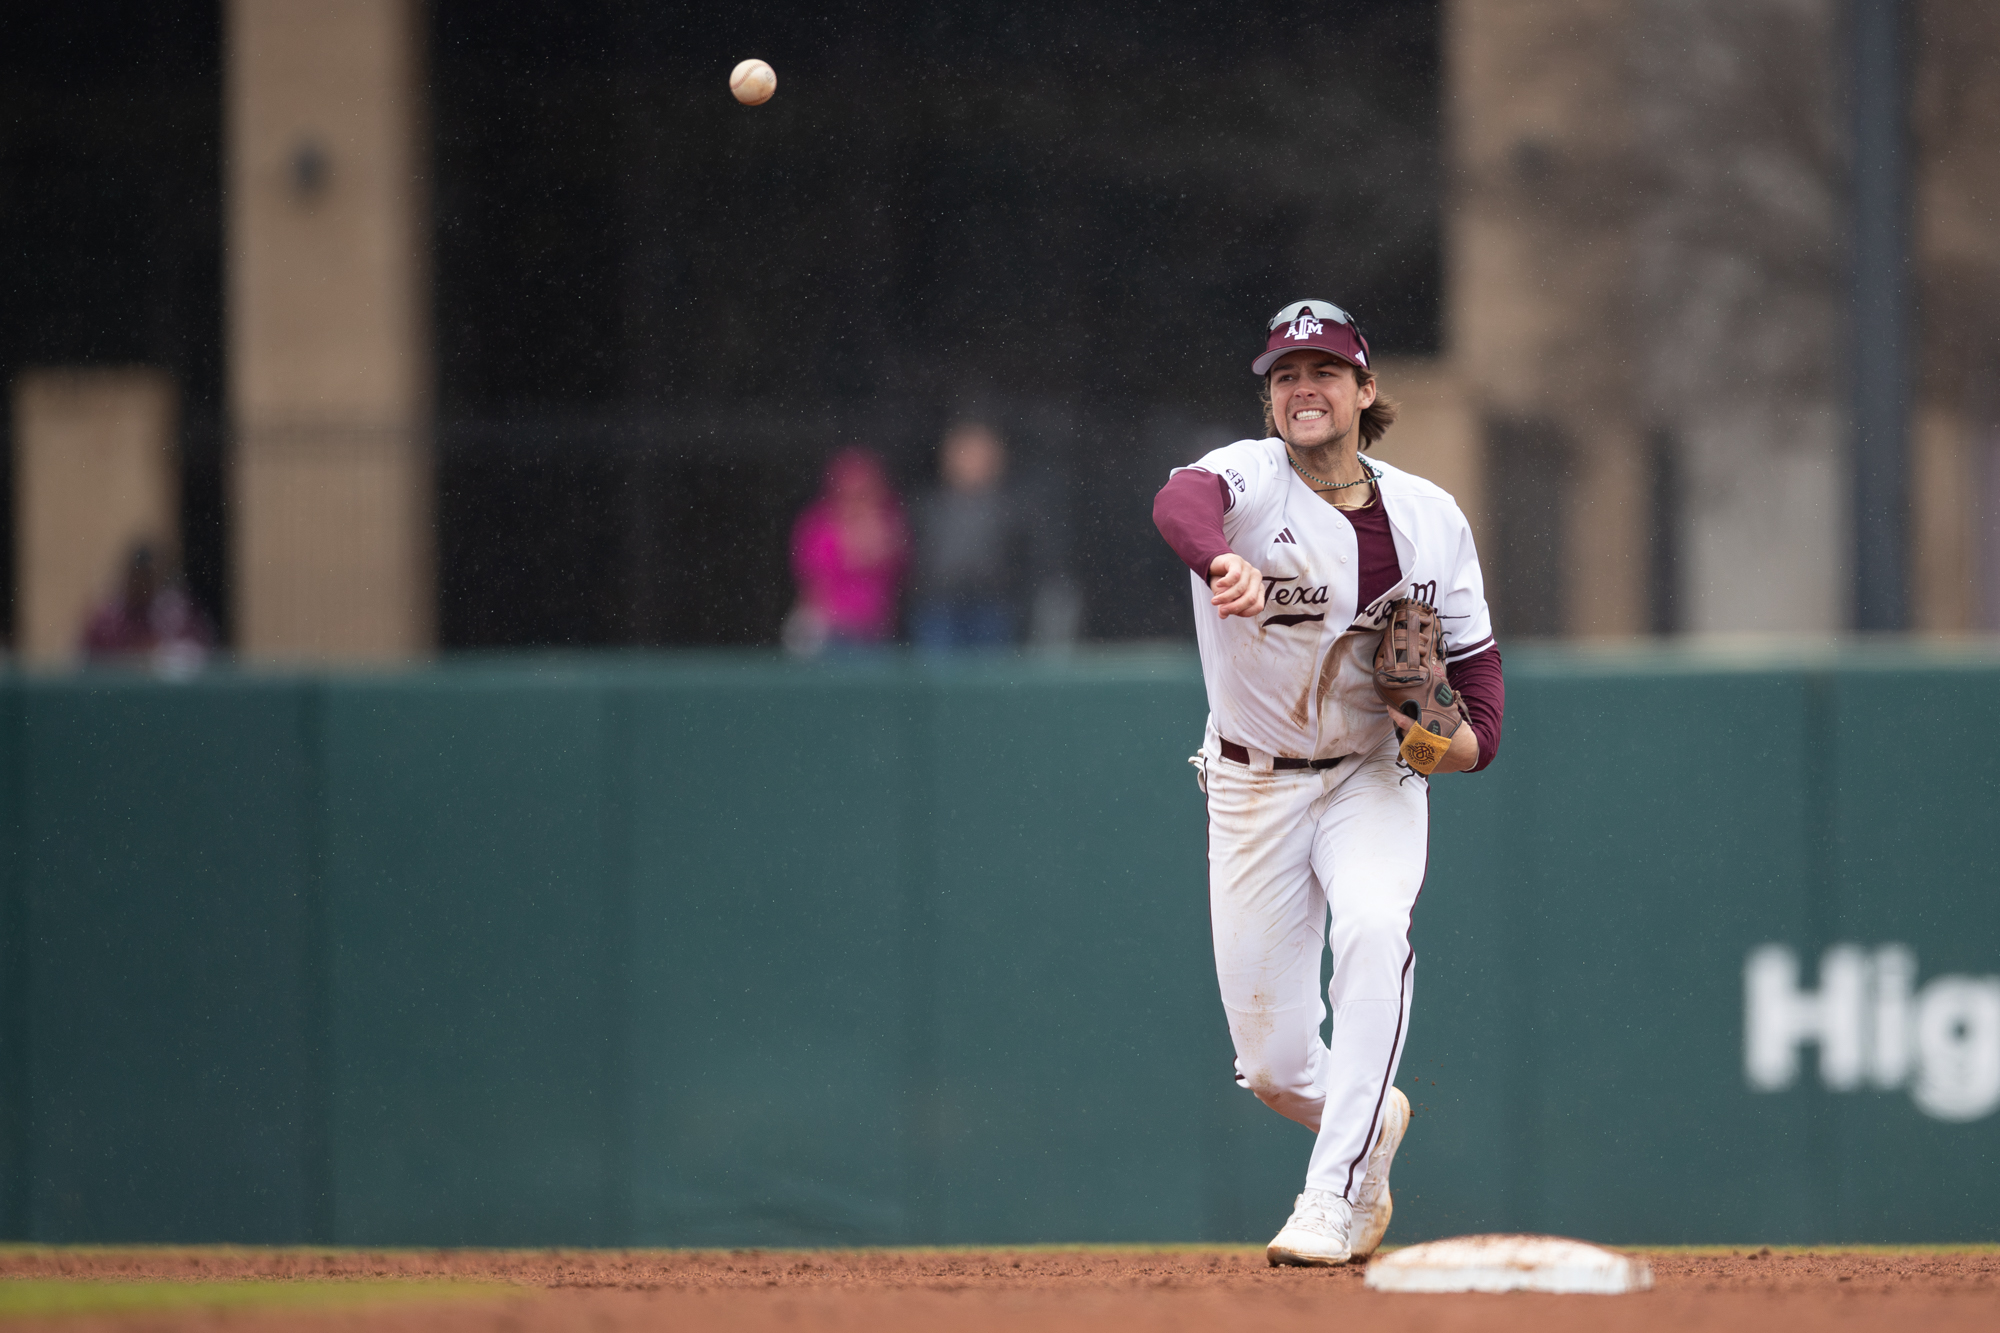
(850, 547)
(150, 617)
(968, 547)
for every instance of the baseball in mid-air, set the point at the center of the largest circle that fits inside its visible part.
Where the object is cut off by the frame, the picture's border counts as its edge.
(753, 82)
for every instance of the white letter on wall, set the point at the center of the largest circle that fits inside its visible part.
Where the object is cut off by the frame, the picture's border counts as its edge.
(1779, 1017)
(1958, 1048)
(1889, 1054)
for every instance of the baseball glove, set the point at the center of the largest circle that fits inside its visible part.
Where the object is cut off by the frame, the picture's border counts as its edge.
(1409, 677)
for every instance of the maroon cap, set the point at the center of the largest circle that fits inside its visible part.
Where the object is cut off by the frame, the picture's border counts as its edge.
(1321, 325)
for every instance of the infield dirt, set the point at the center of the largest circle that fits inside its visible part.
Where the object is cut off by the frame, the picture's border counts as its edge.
(977, 1291)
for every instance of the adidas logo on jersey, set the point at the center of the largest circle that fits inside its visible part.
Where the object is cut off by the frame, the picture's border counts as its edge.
(1285, 535)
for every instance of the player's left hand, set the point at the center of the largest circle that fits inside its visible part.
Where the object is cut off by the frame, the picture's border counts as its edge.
(1237, 585)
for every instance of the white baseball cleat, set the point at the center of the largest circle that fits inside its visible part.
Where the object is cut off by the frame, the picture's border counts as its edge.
(1315, 1236)
(1372, 1203)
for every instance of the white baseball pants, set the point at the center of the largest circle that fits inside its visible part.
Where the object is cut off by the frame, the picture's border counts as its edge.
(1286, 848)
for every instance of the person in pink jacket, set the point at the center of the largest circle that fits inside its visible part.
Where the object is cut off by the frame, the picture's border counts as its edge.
(850, 548)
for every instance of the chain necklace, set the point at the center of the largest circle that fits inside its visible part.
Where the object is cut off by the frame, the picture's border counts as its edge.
(1368, 474)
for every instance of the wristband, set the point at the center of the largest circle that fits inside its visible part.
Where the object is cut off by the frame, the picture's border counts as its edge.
(1423, 750)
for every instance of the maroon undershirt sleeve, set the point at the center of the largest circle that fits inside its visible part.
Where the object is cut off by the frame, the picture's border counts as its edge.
(1478, 679)
(1188, 512)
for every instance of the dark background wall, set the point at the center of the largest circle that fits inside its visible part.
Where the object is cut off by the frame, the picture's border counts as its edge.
(661, 310)
(657, 311)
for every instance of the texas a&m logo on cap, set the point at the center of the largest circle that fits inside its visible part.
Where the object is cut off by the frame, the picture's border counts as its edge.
(1305, 326)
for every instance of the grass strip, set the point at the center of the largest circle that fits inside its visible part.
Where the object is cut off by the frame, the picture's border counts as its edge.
(38, 1297)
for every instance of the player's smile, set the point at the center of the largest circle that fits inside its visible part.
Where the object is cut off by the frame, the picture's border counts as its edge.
(1313, 427)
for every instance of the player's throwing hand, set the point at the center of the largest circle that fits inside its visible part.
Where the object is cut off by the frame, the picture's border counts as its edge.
(1237, 586)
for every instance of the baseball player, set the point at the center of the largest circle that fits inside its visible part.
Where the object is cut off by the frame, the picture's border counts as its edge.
(1303, 551)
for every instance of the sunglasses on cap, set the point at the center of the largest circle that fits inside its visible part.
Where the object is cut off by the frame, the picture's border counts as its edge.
(1321, 310)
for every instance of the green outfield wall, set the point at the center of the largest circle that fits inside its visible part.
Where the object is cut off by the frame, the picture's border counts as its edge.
(727, 951)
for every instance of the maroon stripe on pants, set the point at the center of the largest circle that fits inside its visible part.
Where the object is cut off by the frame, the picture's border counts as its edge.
(1368, 1143)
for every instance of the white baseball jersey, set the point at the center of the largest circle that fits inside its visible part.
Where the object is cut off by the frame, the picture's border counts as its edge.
(1298, 680)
